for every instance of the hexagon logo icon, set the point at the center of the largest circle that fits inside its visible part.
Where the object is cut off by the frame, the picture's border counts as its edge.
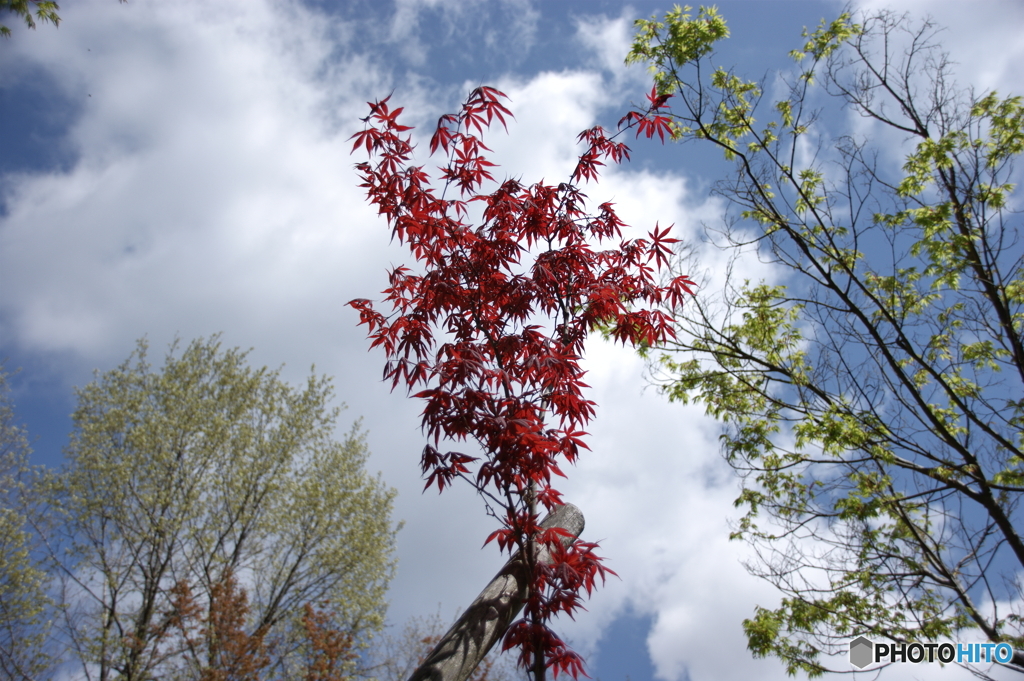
(861, 652)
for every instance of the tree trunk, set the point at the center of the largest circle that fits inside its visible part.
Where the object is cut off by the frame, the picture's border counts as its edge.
(485, 621)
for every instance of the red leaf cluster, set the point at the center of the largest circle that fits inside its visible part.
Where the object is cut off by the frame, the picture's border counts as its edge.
(491, 334)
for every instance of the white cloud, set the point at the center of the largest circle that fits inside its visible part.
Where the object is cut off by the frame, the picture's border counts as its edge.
(550, 109)
(610, 39)
(658, 495)
(216, 208)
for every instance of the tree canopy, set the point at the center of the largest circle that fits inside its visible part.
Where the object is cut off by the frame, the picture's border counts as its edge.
(207, 520)
(871, 394)
(23, 597)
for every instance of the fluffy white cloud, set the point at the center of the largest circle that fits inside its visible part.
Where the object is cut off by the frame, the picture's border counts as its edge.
(610, 39)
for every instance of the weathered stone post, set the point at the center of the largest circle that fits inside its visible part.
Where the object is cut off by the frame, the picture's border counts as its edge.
(485, 621)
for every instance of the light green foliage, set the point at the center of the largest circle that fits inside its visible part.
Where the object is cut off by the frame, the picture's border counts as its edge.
(23, 600)
(207, 467)
(872, 399)
(46, 10)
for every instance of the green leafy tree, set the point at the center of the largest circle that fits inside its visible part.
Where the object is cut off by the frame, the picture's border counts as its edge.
(23, 601)
(217, 487)
(871, 395)
(45, 11)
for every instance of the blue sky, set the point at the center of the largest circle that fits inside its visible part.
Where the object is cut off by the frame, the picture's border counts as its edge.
(182, 169)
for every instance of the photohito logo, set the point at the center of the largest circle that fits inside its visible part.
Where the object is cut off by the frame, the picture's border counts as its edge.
(863, 652)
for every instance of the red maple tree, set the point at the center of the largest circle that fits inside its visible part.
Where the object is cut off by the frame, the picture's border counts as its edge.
(491, 333)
